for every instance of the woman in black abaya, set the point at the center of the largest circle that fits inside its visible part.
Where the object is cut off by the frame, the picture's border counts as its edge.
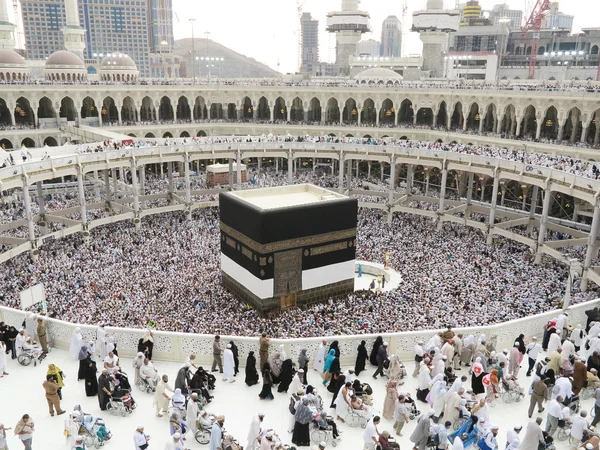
(361, 358)
(251, 373)
(373, 356)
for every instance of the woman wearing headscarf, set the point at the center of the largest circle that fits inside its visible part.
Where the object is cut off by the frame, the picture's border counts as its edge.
(335, 345)
(421, 434)
(327, 367)
(178, 399)
(76, 341)
(476, 377)
(373, 356)
(251, 373)
(468, 349)
(424, 382)
(593, 362)
(236, 358)
(337, 381)
(137, 363)
(148, 342)
(286, 376)
(389, 404)
(303, 364)
(395, 369)
(58, 376)
(490, 382)
(91, 381)
(275, 364)
(85, 352)
(436, 385)
(282, 353)
(267, 383)
(361, 358)
(303, 416)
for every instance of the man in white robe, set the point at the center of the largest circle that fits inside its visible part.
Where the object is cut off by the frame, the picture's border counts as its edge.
(533, 436)
(161, 398)
(568, 349)
(228, 365)
(513, 361)
(319, 364)
(255, 429)
(448, 351)
(452, 409)
(174, 443)
(20, 341)
(101, 341)
(76, 342)
(3, 359)
(192, 411)
(149, 373)
(140, 438)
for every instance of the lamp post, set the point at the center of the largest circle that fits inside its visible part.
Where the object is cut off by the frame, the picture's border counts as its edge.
(191, 20)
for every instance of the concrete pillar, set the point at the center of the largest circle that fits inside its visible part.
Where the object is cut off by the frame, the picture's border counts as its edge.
(591, 246)
(349, 174)
(305, 114)
(341, 174)
(288, 113)
(534, 202)
(493, 204)
(409, 178)
(81, 190)
(381, 170)
(12, 107)
(427, 182)
(230, 174)
(170, 177)
(358, 108)
(377, 116)
(574, 126)
(392, 180)
(483, 184)
(396, 114)
(448, 121)
(136, 189)
(119, 115)
(597, 134)
(115, 184)
(434, 121)
(96, 187)
(538, 130)
(142, 180)
(272, 112)
(186, 175)
(518, 131)
(41, 205)
(499, 126)
(583, 134)
(290, 167)
(239, 171)
(503, 191)
(28, 213)
(259, 166)
(576, 207)
(481, 119)
(464, 118)
(469, 194)
(524, 202)
(443, 190)
(107, 195)
(543, 223)
(561, 125)
(369, 170)
(314, 164)
(276, 165)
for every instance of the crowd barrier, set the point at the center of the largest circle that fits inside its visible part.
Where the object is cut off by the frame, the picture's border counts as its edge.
(172, 346)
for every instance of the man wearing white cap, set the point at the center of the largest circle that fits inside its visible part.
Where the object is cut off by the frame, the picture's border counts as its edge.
(577, 337)
(513, 434)
(20, 341)
(321, 446)
(228, 365)
(140, 438)
(174, 442)
(419, 352)
(255, 429)
(489, 440)
(381, 357)
(266, 441)
(192, 411)
(79, 444)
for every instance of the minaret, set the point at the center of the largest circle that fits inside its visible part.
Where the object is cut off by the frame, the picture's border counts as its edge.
(348, 25)
(7, 29)
(74, 34)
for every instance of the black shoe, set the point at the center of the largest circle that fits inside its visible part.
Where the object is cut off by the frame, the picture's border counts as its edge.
(214, 370)
(528, 374)
(458, 368)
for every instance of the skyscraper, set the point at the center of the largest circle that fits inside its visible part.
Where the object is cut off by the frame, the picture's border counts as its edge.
(391, 37)
(133, 27)
(310, 43)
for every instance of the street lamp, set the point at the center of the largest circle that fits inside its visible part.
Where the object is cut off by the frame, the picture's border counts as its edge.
(191, 20)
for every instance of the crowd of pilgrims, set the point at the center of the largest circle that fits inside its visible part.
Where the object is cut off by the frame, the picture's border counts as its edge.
(138, 275)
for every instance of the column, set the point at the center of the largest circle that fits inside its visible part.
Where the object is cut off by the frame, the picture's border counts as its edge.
(434, 121)
(409, 178)
(186, 174)
(427, 181)
(271, 111)
(239, 170)
(534, 202)
(170, 178)
(276, 165)
(119, 115)
(358, 108)
(574, 126)
(230, 174)
(259, 165)
(503, 190)
(396, 114)
(448, 121)
(82, 204)
(341, 174)
(28, 213)
(584, 133)
(377, 116)
(524, 203)
(518, 132)
(443, 191)
(349, 173)
(314, 164)
(369, 170)
(469, 194)
(136, 189)
(142, 180)
(41, 205)
(493, 204)
(481, 119)
(543, 222)
(381, 170)
(12, 108)
(576, 207)
(597, 134)
(96, 182)
(288, 111)
(392, 180)
(290, 162)
(106, 188)
(415, 110)
(57, 110)
(499, 127)
(538, 130)
(483, 183)
(561, 124)
(464, 117)
(591, 246)
(305, 114)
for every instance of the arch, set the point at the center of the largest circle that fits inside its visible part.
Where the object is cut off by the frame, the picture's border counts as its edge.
(149, 135)
(46, 109)
(387, 113)
(573, 126)
(280, 109)
(367, 112)
(425, 116)
(129, 112)
(67, 109)
(297, 112)
(404, 138)
(314, 110)
(165, 109)
(406, 113)
(247, 108)
(457, 119)
(201, 133)
(594, 124)
(91, 70)
(200, 111)
(23, 112)
(490, 120)
(4, 113)
(509, 120)
(5, 143)
(88, 108)
(550, 123)
(350, 112)
(147, 110)
(131, 134)
(442, 115)
(331, 135)
(333, 111)
(264, 112)
(474, 117)
(28, 142)
(231, 111)
(216, 111)
(109, 110)
(167, 135)
(184, 134)
(349, 135)
(541, 50)
(594, 50)
(367, 136)
(50, 142)
(529, 121)
(183, 109)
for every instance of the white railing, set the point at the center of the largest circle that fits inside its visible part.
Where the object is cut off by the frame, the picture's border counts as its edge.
(171, 346)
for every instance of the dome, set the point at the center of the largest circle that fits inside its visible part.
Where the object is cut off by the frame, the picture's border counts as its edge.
(11, 58)
(118, 60)
(378, 74)
(64, 58)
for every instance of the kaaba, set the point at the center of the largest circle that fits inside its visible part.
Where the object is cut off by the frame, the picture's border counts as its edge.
(287, 246)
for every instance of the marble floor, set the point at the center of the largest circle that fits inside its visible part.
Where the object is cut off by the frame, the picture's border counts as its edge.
(21, 392)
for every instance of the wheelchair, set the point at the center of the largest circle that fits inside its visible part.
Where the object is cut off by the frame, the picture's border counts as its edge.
(413, 412)
(321, 434)
(510, 395)
(202, 436)
(34, 354)
(144, 385)
(117, 407)
(563, 432)
(355, 419)
(587, 392)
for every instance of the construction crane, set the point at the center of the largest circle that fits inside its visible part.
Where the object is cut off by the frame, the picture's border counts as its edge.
(534, 24)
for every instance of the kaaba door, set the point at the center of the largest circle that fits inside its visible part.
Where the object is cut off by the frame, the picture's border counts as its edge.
(288, 276)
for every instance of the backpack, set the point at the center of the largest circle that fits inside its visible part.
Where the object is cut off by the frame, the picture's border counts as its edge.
(292, 405)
